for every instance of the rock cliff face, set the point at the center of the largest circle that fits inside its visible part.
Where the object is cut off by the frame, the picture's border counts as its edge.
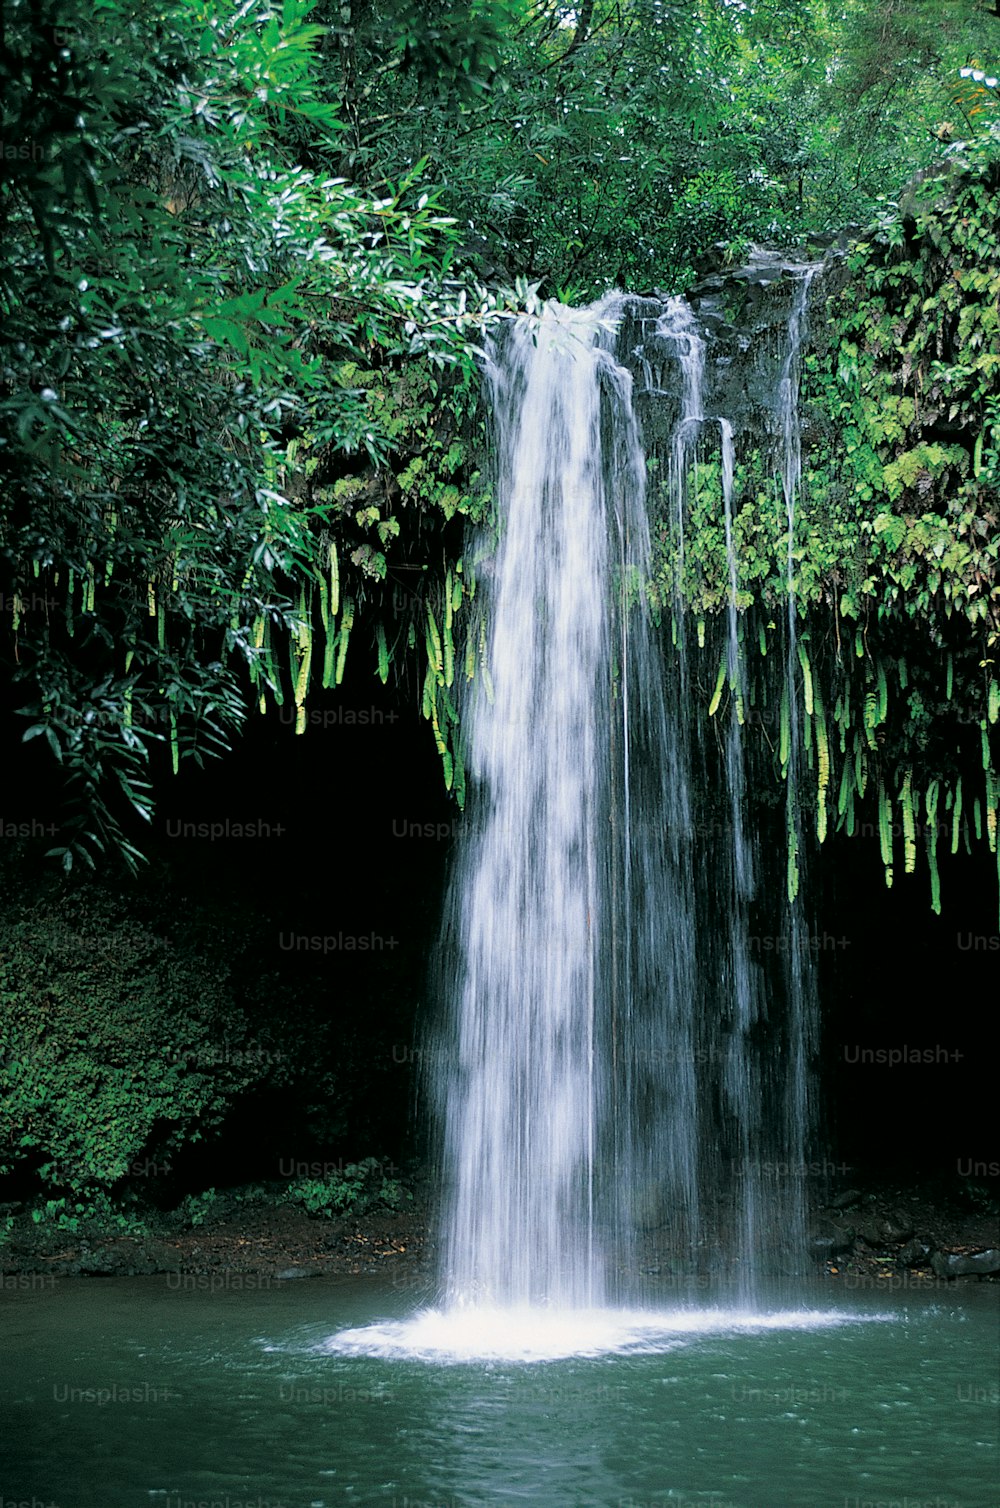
(742, 314)
(745, 314)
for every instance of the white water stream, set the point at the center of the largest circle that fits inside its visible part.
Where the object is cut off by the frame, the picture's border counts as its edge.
(601, 1072)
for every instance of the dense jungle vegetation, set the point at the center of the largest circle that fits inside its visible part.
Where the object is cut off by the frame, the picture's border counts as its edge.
(250, 254)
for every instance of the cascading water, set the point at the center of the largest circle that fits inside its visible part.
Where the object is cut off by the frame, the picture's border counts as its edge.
(569, 937)
(609, 1067)
(751, 1039)
(658, 1169)
(743, 1088)
(612, 1065)
(522, 1101)
(799, 971)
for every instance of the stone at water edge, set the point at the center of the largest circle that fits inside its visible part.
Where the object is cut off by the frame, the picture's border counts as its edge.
(953, 1264)
(844, 1200)
(827, 1241)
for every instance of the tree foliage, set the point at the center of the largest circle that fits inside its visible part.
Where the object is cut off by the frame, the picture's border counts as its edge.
(618, 140)
(242, 290)
(192, 322)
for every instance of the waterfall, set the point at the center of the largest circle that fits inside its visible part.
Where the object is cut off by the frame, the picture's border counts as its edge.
(525, 1100)
(610, 1067)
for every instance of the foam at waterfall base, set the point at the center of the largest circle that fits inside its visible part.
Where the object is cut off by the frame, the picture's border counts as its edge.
(537, 1334)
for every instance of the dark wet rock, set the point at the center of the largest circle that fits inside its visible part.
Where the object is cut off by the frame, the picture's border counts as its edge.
(742, 314)
(709, 285)
(883, 1230)
(826, 1248)
(914, 1254)
(830, 240)
(953, 1264)
(896, 1228)
(143, 1267)
(828, 1240)
(117, 1259)
(844, 1200)
(869, 1230)
(715, 256)
(664, 1267)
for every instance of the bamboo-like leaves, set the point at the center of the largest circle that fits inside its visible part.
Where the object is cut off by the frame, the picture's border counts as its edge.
(334, 568)
(437, 705)
(346, 624)
(792, 874)
(822, 764)
(720, 682)
(807, 680)
(885, 831)
(956, 815)
(909, 823)
(301, 650)
(932, 842)
(383, 653)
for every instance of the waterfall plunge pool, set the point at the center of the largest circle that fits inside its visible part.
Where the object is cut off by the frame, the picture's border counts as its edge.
(138, 1394)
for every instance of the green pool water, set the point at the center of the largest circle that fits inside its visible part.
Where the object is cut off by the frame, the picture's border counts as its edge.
(147, 1394)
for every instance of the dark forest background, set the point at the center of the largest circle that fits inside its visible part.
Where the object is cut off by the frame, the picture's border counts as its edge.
(249, 258)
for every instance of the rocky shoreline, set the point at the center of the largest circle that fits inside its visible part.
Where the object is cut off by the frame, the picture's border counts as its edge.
(280, 1245)
(881, 1236)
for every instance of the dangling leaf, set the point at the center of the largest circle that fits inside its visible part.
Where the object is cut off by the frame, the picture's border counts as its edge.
(720, 682)
(784, 734)
(435, 655)
(885, 831)
(334, 581)
(792, 877)
(383, 653)
(909, 825)
(807, 680)
(956, 815)
(932, 841)
(346, 623)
